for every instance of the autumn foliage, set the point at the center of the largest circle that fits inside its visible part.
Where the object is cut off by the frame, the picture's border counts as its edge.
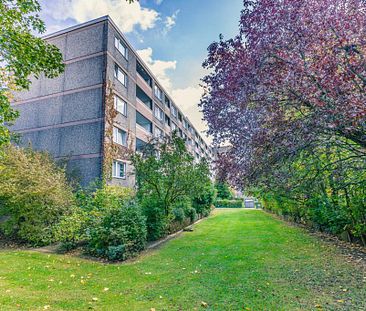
(288, 93)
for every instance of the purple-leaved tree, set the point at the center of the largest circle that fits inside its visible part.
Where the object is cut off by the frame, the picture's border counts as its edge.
(292, 79)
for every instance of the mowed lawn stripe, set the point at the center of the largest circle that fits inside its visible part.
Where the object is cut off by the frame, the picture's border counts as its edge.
(234, 260)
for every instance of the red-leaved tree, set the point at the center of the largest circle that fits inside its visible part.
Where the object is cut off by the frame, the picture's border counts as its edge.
(293, 78)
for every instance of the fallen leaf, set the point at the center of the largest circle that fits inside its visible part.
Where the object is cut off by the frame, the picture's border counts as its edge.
(204, 304)
(95, 299)
(106, 289)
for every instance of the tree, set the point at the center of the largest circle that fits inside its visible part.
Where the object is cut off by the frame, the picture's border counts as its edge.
(293, 77)
(22, 54)
(223, 190)
(288, 94)
(165, 175)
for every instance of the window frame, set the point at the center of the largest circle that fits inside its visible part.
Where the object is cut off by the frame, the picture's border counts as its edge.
(156, 128)
(116, 98)
(119, 162)
(173, 108)
(118, 69)
(160, 91)
(123, 136)
(160, 111)
(121, 43)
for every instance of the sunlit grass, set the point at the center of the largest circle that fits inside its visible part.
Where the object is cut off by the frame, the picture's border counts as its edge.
(235, 260)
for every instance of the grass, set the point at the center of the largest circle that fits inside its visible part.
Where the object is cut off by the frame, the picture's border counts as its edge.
(235, 260)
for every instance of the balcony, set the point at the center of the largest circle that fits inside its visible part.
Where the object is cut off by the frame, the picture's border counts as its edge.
(143, 97)
(143, 74)
(144, 123)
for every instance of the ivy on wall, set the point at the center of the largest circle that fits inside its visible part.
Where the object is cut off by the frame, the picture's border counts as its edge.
(112, 150)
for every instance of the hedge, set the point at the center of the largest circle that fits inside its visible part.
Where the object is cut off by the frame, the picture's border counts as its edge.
(236, 203)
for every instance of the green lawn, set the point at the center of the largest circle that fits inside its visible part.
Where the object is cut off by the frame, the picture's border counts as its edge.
(235, 260)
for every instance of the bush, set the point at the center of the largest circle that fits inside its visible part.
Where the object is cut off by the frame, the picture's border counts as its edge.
(157, 221)
(178, 214)
(109, 197)
(237, 203)
(93, 204)
(72, 228)
(34, 195)
(120, 234)
(192, 215)
(203, 201)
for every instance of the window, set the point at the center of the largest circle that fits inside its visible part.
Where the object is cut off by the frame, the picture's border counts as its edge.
(167, 120)
(174, 126)
(174, 111)
(180, 117)
(143, 97)
(140, 145)
(158, 132)
(119, 169)
(158, 113)
(119, 136)
(143, 122)
(158, 92)
(120, 75)
(185, 124)
(121, 47)
(120, 105)
(167, 101)
(143, 73)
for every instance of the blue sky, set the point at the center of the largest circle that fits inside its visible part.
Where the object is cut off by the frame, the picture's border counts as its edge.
(172, 36)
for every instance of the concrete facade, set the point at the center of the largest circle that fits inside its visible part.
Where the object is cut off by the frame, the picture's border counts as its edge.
(66, 115)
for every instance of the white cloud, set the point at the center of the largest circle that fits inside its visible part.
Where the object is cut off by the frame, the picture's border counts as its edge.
(171, 20)
(126, 15)
(160, 68)
(158, 2)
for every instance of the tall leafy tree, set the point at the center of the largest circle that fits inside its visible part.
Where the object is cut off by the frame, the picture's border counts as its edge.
(22, 54)
(293, 77)
(288, 93)
(166, 172)
(166, 176)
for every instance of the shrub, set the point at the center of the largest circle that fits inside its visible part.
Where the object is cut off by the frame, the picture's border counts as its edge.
(237, 203)
(191, 214)
(93, 204)
(203, 201)
(120, 234)
(109, 197)
(71, 229)
(157, 221)
(34, 195)
(178, 214)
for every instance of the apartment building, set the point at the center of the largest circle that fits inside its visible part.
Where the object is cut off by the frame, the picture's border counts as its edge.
(67, 116)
